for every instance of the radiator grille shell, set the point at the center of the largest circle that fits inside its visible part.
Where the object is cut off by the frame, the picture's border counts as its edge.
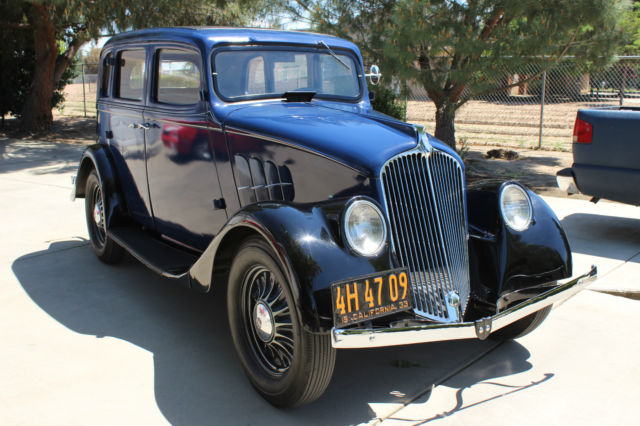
(424, 198)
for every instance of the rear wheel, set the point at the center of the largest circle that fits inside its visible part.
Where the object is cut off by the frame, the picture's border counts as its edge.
(286, 364)
(523, 326)
(104, 247)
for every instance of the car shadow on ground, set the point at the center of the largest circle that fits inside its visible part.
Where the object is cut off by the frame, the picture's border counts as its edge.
(621, 235)
(43, 157)
(197, 377)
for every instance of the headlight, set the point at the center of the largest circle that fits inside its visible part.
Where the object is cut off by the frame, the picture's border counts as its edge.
(365, 228)
(516, 207)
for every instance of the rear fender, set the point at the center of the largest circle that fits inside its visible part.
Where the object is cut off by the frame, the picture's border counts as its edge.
(96, 157)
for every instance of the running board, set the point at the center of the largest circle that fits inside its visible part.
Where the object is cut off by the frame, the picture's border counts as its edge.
(162, 258)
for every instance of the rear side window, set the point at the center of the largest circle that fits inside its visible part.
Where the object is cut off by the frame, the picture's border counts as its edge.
(131, 74)
(178, 77)
(106, 75)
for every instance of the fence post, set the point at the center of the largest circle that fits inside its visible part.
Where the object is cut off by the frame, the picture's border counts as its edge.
(544, 84)
(84, 96)
(624, 82)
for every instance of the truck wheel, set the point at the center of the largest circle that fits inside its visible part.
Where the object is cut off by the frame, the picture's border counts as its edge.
(104, 247)
(286, 364)
(523, 326)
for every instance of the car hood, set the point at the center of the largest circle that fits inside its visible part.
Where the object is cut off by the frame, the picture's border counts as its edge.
(360, 141)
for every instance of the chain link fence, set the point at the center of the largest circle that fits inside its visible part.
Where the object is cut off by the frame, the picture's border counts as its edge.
(541, 110)
(538, 112)
(80, 93)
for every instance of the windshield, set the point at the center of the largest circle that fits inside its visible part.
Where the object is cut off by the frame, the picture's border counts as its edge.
(255, 73)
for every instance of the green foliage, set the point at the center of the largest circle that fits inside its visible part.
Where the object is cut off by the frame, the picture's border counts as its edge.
(33, 28)
(387, 102)
(455, 49)
(631, 30)
(18, 63)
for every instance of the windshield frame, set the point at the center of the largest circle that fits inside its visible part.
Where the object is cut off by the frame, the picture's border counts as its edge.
(303, 48)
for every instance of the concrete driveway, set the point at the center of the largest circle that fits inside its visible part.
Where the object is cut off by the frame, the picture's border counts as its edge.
(82, 342)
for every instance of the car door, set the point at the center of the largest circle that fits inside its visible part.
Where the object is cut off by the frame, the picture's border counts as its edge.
(124, 124)
(183, 184)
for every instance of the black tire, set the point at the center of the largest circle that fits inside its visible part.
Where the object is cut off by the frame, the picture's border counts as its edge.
(286, 364)
(104, 247)
(523, 326)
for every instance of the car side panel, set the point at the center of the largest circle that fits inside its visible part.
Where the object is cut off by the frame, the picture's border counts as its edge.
(183, 183)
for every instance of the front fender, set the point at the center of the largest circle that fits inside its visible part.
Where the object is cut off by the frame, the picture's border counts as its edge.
(97, 157)
(503, 260)
(308, 241)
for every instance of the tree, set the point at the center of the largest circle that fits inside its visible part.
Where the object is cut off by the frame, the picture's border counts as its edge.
(71, 23)
(453, 48)
(631, 30)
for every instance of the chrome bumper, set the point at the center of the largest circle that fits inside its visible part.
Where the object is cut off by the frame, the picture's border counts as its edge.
(371, 338)
(566, 181)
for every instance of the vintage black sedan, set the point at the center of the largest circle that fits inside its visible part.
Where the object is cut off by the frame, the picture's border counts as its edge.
(250, 162)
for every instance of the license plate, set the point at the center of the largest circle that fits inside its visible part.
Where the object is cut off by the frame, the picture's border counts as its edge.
(370, 296)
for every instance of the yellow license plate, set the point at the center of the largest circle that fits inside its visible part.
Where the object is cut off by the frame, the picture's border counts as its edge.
(371, 296)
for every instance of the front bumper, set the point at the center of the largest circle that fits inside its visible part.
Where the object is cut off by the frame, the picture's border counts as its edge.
(393, 336)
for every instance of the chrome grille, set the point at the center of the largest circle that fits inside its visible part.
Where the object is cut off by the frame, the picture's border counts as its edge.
(424, 197)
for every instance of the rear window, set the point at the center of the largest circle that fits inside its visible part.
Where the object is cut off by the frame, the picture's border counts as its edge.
(178, 77)
(131, 74)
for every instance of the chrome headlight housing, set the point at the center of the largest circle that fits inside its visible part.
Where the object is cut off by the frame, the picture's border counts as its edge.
(364, 227)
(515, 206)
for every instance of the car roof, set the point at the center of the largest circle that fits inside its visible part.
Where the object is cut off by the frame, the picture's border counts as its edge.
(211, 36)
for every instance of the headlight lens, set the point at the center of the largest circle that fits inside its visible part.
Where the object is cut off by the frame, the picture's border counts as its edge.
(365, 228)
(516, 207)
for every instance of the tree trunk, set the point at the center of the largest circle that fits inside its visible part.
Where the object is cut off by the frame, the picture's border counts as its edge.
(36, 112)
(445, 126)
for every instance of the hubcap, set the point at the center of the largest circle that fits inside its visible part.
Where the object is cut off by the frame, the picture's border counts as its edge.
(263, 321)
(97, 213)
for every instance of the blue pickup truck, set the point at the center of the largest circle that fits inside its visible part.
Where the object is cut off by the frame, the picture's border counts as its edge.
(606, 155)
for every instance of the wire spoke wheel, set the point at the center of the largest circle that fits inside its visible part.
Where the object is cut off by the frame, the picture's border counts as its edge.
(285, 363)
(98, 216)
(104, 247)
(268, 320)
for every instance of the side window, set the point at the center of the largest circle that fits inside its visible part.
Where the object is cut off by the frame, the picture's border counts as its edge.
(178, 77)
(255, 79)
(131, 74)
(106, 75)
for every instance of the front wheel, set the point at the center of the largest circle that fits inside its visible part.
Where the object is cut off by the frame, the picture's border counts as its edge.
(523, 326)
(286, 364)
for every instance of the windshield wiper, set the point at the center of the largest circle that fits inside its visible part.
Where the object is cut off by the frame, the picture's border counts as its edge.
(322, 43)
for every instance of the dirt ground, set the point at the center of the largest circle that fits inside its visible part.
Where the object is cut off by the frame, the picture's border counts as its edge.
(535, 168)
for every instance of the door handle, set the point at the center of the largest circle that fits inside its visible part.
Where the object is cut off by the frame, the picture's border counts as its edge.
(143, 126)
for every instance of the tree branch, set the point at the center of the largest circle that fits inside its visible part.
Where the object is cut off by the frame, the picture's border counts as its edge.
(491, 25)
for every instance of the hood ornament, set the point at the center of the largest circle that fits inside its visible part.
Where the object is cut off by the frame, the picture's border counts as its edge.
(423, 139)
